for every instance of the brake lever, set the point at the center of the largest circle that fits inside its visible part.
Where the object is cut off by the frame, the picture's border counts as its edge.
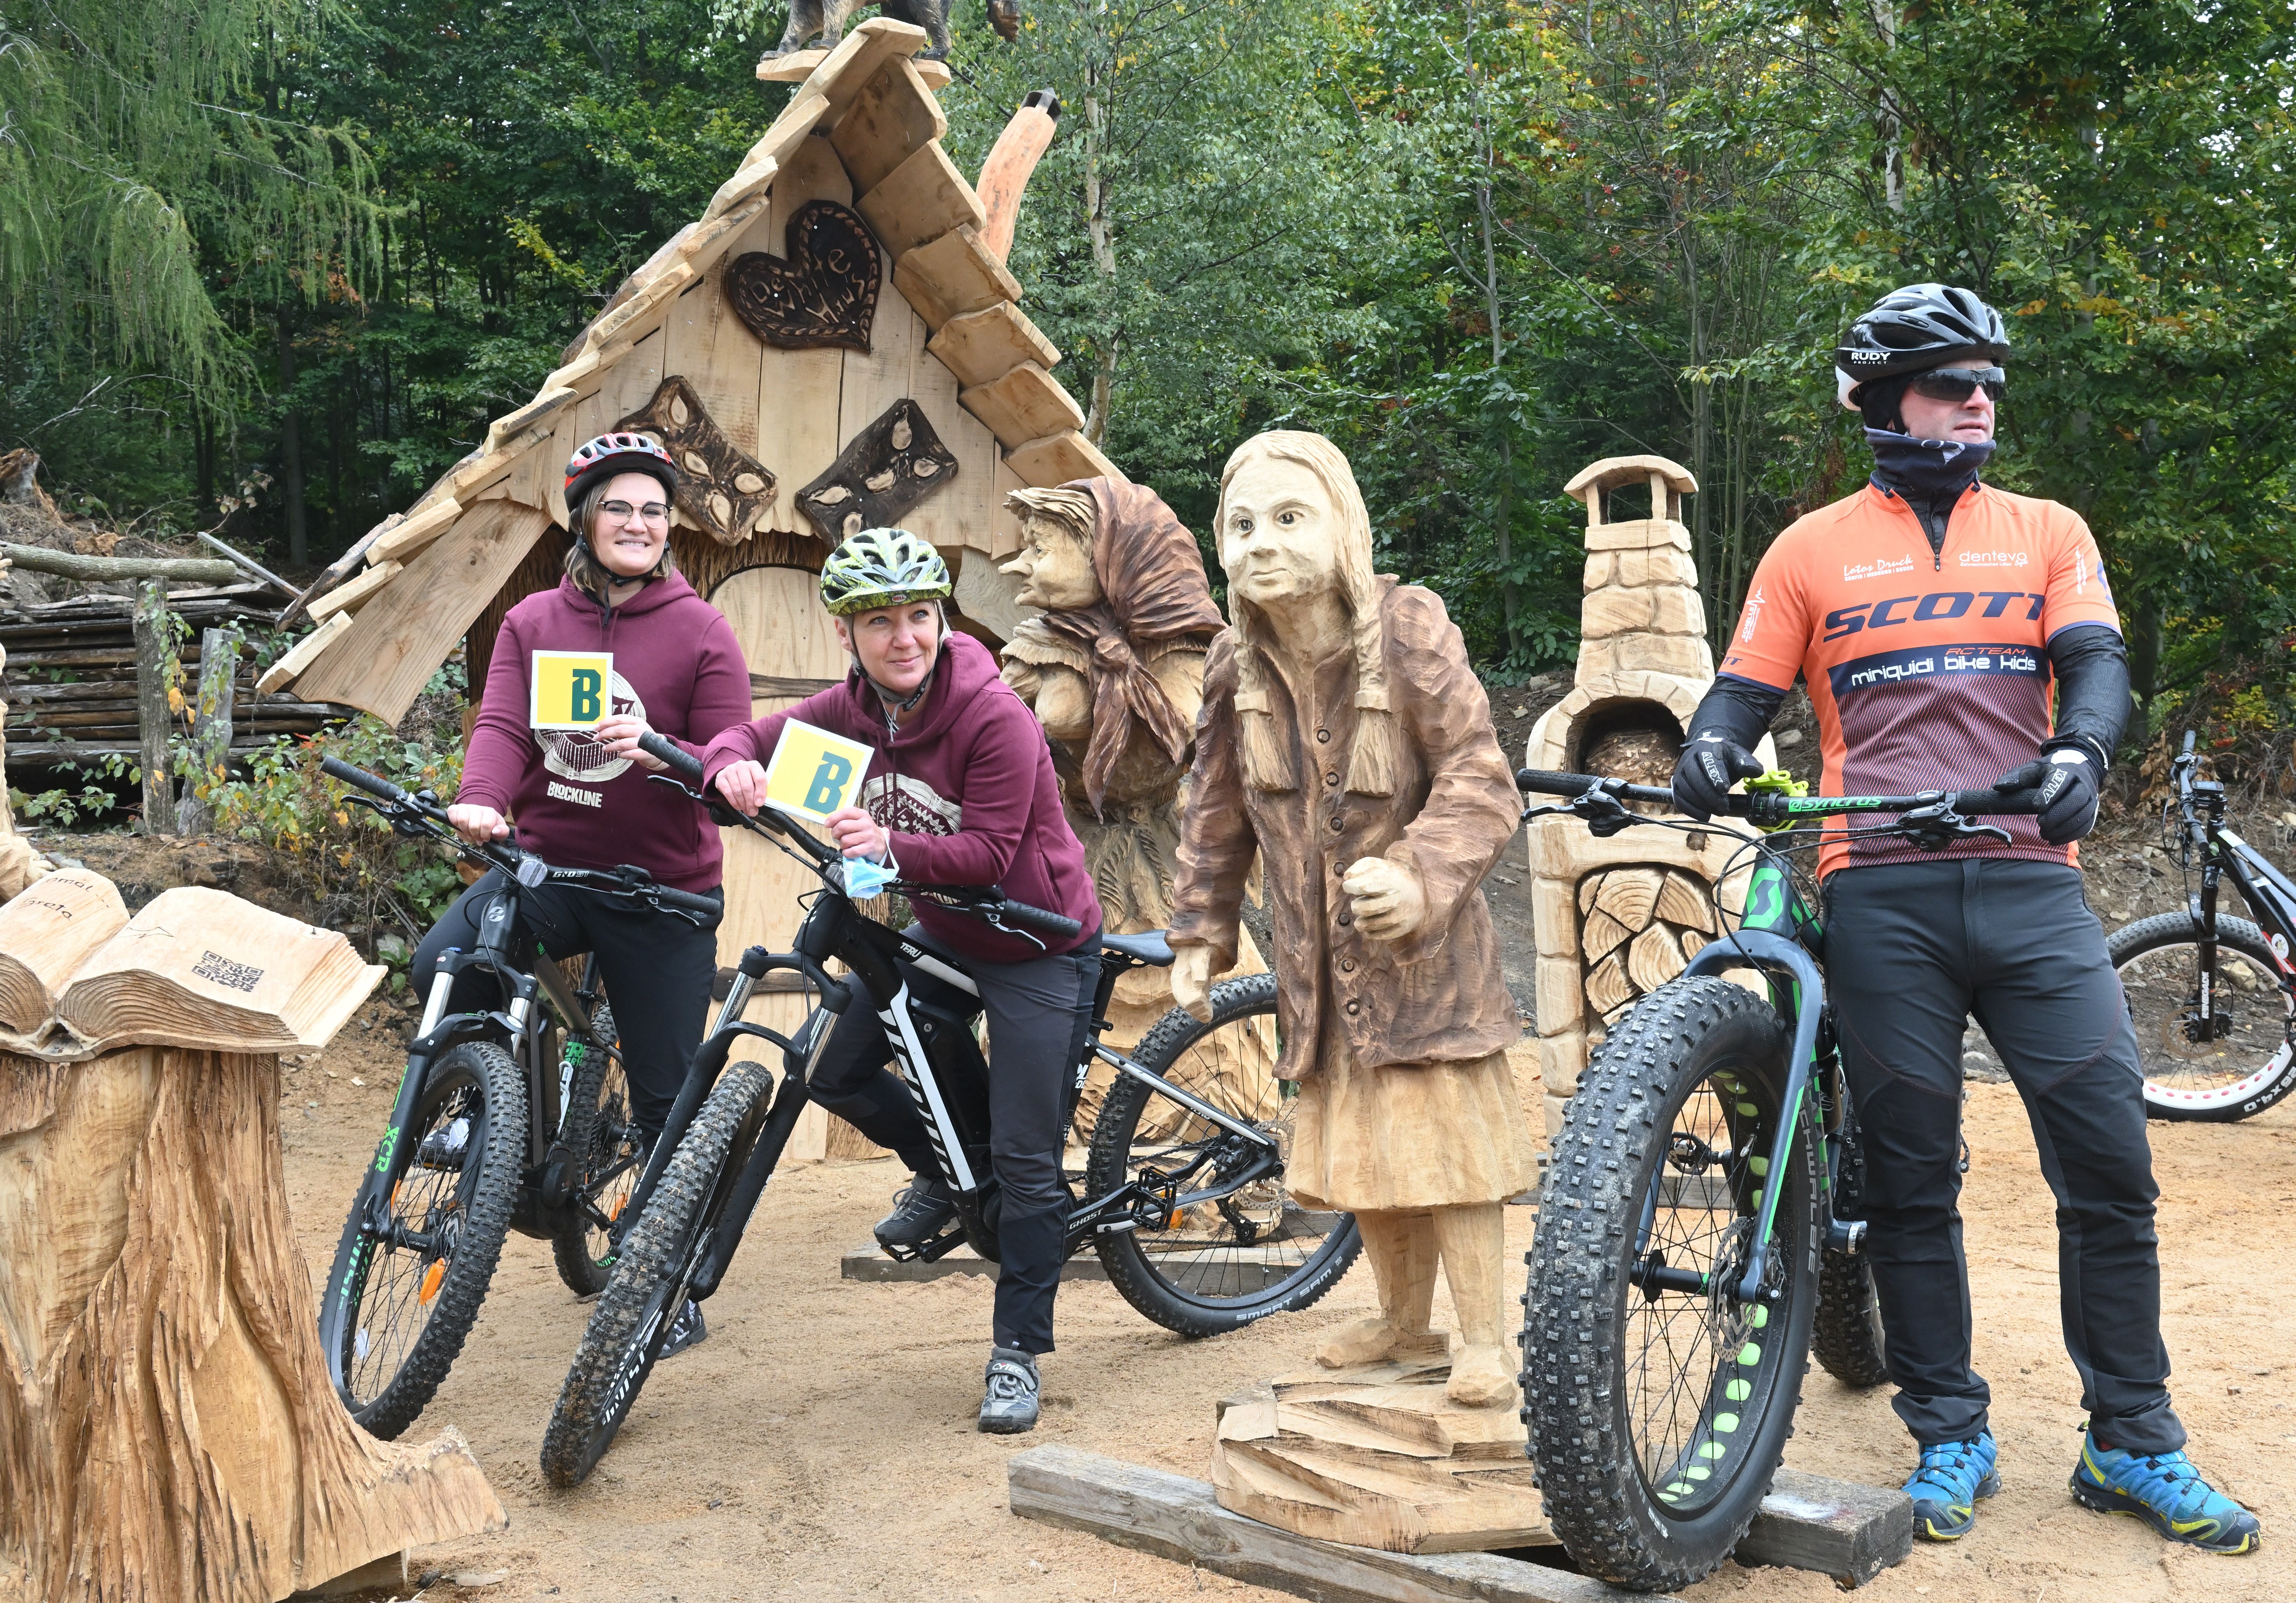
(1937, 826)
(1600, 811)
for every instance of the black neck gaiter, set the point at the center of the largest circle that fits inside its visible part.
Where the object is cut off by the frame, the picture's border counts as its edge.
(1929, 475)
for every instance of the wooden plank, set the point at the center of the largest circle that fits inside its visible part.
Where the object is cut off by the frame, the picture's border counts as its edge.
(386, 653)
(1175, 1517)
(1004, 523)
(632, 320)
(952, 275)
(983, 346)
(894, 117)
(397, 544)
(1057, 458)
(797, 119)
(708, 240)
(921, 200)
(1837, 1528)
(1024, 405)
(625, 385)
(512, 424)
(344, 598)
(842, 74)
(797, 66)
(715, 353)
(306, 651)
(797, 404)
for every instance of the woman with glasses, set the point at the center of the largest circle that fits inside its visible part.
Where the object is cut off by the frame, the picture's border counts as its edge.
(579, 795)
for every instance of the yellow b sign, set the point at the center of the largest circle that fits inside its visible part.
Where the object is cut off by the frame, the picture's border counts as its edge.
(813, 772)
(570, 690)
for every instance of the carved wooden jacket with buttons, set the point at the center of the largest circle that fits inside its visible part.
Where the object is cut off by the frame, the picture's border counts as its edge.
(1437, 997)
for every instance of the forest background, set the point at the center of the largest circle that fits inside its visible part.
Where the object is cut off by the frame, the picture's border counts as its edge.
(278, 262)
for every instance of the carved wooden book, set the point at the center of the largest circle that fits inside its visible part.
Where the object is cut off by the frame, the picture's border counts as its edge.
(202, 968)
(46, 934)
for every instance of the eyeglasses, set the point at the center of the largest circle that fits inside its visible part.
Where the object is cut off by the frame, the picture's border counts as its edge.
(1957, 384)
(653, 512)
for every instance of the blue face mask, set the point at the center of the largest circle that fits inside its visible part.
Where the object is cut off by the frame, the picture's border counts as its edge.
(865, 879)
(1931, 469)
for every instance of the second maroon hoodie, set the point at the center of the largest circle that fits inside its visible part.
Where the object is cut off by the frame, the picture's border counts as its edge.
(967, 791)
(676, 665)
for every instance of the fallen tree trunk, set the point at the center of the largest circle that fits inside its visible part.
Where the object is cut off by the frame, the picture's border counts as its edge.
(71, 565)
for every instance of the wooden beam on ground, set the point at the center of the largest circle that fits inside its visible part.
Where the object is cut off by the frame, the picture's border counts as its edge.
(71, 565)
(1837, 1528)
(870, 1264)
(387, 652)
(1173, 1517)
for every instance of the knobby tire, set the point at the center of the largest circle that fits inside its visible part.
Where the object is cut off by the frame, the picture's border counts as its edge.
(632, 1318)
(2157, 961)
(368, 1282)
(1846, 1337)
(598, 1132)
(1651, 1477)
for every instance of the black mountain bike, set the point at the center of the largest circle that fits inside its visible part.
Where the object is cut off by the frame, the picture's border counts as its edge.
(2213, 998)
(1183, 1180)
(1693, 1233)
(511, 1117)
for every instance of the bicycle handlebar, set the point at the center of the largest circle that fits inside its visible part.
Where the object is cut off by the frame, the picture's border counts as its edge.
(2000, 803)
(673, 757)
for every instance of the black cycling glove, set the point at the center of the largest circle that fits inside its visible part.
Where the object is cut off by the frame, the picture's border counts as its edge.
(2064, 779)
(1703, 774)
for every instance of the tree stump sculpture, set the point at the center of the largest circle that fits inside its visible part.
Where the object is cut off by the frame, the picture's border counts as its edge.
(167, 1428)
(1618, 918)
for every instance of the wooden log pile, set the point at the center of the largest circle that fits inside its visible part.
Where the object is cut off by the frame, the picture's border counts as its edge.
(70, 682)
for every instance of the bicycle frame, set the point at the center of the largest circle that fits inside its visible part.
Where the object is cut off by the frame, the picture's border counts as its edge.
(2268, 893)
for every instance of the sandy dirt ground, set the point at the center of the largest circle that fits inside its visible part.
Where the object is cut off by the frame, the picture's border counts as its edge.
(820, 1444)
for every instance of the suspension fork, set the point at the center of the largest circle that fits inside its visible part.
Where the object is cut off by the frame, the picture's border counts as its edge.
(1770, 953)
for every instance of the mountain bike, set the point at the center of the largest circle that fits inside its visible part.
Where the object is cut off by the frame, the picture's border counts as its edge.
(1184, 1197)
(2213, 998)
(515, 1117)
(1693, 1225)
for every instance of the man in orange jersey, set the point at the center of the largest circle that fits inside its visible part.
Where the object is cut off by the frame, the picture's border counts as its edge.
(1931, 616)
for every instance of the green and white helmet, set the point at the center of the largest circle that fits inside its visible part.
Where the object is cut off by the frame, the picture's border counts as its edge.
(882, 567)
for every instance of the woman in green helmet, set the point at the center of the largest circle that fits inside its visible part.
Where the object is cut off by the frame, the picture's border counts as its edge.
(960, 791)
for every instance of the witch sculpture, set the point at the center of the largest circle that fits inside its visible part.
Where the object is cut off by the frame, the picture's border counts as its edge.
(1115, 671)
(1345, 738)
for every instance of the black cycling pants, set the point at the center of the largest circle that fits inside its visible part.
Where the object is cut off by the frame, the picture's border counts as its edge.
(1913, 950)
(658, 969)
(1039, 1017)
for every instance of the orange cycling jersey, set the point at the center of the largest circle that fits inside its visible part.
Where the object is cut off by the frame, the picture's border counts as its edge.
(1929, 669)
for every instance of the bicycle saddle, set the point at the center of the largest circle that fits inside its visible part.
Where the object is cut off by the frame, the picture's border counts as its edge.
(1149, 946)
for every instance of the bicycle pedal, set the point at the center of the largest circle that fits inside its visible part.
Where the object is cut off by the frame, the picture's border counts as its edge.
(940, 1245)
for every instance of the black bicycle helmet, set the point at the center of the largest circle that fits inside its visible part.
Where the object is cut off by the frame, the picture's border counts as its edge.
(1913, 328)
(611, 454)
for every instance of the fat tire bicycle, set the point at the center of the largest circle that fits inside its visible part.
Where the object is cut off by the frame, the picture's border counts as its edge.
(2212, 996)
(512, 1117)
(1695, 1237)
(1183, 1201)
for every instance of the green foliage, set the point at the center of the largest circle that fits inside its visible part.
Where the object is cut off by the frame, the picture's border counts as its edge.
(60, 806)
(335, 850)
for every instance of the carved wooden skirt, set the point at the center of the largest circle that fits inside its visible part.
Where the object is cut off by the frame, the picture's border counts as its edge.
(168, 1429)
(1409, 1136)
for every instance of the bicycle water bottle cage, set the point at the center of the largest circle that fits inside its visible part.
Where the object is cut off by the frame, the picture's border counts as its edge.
(1764, 814)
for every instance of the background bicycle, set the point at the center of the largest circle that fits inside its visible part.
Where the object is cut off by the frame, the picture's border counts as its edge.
(1183, 1194)
(513, 1116)
(2212, 995)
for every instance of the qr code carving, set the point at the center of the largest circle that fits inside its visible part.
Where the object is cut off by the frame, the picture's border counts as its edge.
(214, 966)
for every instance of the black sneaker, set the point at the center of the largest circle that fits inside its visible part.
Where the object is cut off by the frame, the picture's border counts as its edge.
(1010, 1404)
(921, 1210)
(686, 1330)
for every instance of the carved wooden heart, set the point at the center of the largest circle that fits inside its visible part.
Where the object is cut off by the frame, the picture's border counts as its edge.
(823, 294)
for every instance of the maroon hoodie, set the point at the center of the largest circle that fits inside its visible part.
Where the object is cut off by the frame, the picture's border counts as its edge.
(676, 665)
(967, 791)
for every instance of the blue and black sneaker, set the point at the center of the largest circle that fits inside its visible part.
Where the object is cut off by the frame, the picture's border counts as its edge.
(2165, 1493)
(1944, 1489)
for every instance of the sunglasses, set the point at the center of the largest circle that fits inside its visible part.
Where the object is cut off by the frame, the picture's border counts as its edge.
(653, 512)
(1959, 383)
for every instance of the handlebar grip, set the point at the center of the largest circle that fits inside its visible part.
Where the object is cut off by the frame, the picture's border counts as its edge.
(1036, 918)
(2002, 803)
(1544, 781)
(674, 757)
(2191, 736)
(373, 784)
(687, 900)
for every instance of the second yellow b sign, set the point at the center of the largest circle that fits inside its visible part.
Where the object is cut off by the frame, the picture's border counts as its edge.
(570, 690)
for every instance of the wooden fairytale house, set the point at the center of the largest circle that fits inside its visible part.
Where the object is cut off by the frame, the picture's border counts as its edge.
(833, 344)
